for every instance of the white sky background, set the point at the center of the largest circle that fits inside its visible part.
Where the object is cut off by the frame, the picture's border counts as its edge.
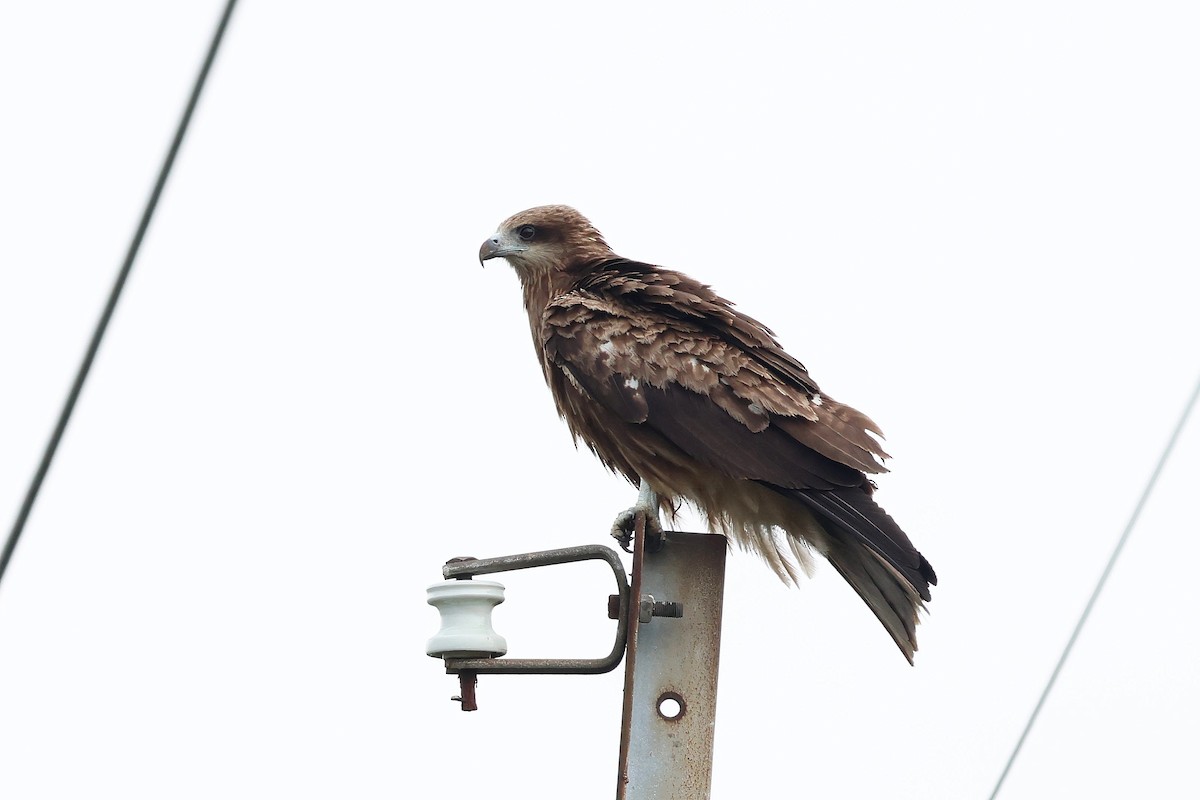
(977, 224)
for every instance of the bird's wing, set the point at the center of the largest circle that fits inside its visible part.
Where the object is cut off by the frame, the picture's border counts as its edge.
(660, 350)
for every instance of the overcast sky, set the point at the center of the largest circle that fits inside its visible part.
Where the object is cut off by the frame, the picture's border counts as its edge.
(976, 223)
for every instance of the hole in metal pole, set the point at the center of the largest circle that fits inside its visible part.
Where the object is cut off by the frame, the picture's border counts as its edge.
(671, 706)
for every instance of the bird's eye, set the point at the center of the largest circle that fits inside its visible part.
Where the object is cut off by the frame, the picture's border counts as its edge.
(527, 232)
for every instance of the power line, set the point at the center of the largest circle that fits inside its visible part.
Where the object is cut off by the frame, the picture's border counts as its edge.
(1112, 560)
(152, 202)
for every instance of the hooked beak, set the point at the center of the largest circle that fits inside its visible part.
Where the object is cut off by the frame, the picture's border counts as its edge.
(498, 246)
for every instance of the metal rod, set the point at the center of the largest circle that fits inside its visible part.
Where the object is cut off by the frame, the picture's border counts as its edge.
(639, 555)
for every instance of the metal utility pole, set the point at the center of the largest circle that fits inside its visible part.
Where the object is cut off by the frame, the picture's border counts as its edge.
(671, 665)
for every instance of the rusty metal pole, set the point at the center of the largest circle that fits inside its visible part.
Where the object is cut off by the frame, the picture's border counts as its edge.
(671, 658)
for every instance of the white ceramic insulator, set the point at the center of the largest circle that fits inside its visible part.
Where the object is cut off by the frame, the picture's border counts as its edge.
(466, 609)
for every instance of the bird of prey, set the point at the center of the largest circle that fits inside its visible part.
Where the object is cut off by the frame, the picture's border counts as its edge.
(673, 388)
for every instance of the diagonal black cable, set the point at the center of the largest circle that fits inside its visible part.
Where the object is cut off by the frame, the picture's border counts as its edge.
(1112, 560)
(73, 395)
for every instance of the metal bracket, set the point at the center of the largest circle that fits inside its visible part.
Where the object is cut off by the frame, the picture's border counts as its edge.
(467, 568)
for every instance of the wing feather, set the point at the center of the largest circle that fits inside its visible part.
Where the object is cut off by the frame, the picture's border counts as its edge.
(683, 362)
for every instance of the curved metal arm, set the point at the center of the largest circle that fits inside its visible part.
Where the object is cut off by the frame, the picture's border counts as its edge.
(543, 666)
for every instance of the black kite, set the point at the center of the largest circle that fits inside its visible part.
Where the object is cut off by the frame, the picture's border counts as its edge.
(671, 387)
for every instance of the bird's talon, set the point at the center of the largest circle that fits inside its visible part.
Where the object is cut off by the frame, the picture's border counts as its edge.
(623, 528)
(624, 525)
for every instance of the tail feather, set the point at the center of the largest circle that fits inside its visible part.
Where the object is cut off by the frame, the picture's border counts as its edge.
(887, 593)
(855, 514)
(876, 558)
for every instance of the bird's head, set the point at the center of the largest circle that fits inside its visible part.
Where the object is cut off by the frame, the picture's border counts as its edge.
(544, 239)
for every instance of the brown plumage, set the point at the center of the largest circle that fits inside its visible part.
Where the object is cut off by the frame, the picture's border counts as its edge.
(666, 382)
